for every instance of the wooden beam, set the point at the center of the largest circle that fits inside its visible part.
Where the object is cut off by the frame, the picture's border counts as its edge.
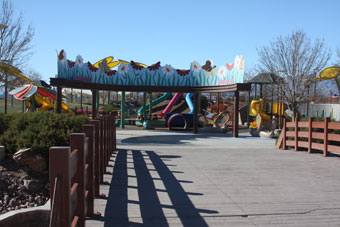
(61, 82)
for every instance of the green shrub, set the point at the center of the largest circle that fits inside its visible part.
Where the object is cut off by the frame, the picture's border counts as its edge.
(38, 131)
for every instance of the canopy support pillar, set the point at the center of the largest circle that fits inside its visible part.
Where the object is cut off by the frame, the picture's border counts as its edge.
(236, 113)
(94, 104)
(196, 110)
(59, 97)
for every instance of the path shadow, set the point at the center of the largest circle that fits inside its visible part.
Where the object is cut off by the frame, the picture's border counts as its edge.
(151, 208)
(169, 139)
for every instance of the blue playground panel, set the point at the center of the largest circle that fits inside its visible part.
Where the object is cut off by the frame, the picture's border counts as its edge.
(178, 121)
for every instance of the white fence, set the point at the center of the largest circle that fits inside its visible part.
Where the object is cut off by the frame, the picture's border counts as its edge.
(321, 110)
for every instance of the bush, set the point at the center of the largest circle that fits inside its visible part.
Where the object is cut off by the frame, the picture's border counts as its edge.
(38, 131)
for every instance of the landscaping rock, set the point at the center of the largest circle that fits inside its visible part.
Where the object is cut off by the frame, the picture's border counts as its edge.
(266, 134)
(2, 153)
(26, 157)
(3, 183)
(33, 185)
(254, 132)
(277, 132)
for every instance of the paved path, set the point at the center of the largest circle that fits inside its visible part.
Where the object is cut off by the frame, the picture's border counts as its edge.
(181, 179)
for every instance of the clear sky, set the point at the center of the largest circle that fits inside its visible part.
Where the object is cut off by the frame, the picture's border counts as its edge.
(174, 32)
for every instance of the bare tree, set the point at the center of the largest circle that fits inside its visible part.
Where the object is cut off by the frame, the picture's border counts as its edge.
(296, 59)
(33, 74)
(14, 43)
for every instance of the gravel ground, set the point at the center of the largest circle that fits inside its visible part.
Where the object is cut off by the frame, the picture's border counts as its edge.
(14, 194)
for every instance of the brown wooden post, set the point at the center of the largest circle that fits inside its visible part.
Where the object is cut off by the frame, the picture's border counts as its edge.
(77, 141)
(89, 132)
(59, 166)
(310, 134)
(284, 131)
(107, 140)
(101, 148)
(94, 104)
(97, 157)
(236, 107)
(325, 136)
(114, 134)
(59, 98)
(296, 134)
(196, 111)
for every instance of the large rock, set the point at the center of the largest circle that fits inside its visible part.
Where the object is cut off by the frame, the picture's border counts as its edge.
(3, 183)
(266, 134)
(33, 185)
(26, 157)
(2, 153)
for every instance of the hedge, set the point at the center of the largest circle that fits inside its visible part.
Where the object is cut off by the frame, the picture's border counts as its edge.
(38, 130)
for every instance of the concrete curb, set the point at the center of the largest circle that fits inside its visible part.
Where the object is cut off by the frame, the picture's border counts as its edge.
(33, 216)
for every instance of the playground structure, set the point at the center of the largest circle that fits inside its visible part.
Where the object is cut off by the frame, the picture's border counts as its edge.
(36, 94)
(138, 77)
(265, 114)
(38, 97)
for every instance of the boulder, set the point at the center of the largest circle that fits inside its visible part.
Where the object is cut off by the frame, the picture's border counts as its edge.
(26, 157)
(3, 183)
(33, 185)
(254, 132)
(2, 152)
(266, 134)
(277, 132)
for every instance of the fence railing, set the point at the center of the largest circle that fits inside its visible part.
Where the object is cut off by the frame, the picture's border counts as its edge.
(312, 135)
(76, 172)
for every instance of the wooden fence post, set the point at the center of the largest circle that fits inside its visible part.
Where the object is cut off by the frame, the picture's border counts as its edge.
(97, 157)
(325, 136)
(89, 169)
(114, 133)
(284, 134)
(77, 141)
(310, 134)
(102, 151)
(59, 166)
(296, 134)
(107, 142)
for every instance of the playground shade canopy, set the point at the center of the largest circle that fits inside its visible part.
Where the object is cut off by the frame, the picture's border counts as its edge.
(266, 78)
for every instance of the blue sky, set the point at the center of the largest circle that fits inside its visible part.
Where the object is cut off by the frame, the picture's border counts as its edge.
(174, 32)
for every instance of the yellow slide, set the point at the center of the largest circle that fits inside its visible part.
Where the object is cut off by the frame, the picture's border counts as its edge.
(46, 104)
(256, 110)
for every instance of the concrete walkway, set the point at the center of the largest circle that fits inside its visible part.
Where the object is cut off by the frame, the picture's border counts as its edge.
(163, 178)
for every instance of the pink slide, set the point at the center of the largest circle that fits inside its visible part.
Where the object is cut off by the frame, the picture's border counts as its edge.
(171, 104)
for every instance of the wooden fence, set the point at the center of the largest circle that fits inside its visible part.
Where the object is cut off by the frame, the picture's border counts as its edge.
(76, 172)
(308, 135)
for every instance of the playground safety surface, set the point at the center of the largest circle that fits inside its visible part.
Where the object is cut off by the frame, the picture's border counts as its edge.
(167, 178)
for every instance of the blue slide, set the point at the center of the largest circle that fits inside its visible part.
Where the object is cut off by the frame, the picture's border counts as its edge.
(188, 99)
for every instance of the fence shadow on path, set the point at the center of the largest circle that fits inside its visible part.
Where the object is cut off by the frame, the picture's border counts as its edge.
(151, 209)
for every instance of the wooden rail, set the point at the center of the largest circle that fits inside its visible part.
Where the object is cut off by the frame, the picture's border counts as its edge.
(311, 135)
(76, 172)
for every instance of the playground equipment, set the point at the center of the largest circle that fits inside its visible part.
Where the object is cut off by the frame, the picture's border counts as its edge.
(38, 96)
(132, 76)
